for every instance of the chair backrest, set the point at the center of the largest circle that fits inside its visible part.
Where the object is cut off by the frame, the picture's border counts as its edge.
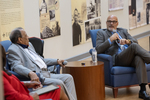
(6, 44)
(38, 45)
(93, 34)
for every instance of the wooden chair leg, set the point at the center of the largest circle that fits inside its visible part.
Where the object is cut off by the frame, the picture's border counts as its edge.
(115, 92)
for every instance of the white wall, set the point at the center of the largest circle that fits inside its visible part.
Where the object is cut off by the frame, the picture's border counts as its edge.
(31, 17)
(61, 46)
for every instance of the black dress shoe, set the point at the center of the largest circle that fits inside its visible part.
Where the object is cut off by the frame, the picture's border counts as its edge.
(144, 95)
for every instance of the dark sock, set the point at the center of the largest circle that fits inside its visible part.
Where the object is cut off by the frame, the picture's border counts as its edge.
(142, 87)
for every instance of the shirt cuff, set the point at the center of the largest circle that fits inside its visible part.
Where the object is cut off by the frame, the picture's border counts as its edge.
(109, 41)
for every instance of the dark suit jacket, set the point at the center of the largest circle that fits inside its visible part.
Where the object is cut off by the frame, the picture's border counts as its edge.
(103, 45)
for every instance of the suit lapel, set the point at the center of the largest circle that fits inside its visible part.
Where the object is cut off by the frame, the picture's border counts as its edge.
(26, 54)
(22, 49)
(31, 49)
(35, 52)
(108, 33)
(120, 33)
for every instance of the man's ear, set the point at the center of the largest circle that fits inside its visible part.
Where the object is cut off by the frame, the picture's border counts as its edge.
(117, 23)
(19, 40)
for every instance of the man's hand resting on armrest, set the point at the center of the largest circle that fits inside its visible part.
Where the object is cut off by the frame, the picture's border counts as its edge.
(60, 62)
(33, 76)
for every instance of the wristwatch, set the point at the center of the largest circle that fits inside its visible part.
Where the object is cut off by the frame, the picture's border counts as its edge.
(129, 41)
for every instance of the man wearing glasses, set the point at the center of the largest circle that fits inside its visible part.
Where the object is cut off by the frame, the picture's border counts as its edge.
(125, 51)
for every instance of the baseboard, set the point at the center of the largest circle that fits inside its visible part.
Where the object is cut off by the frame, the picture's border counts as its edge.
(142, 35)
(79, 57)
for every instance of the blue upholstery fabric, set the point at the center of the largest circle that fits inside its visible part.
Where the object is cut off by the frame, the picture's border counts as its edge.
(93, 36)
(6, 44)
(117, 70)
(58, 69)
(148, 67)
(116, 76)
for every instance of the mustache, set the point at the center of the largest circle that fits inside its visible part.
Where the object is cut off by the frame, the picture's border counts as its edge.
(111, 26)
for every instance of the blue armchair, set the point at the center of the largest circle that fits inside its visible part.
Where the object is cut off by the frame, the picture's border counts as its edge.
(6, 45)
(116, 76)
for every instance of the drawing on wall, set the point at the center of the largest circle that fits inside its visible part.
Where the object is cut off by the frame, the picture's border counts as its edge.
(52, 14)
(92, 25)
(83, 11)
(10, 19)
(76, 28)
(43, 7)
(147, 13)
(132, 14)
(93, 9)
(138, 13)
(115, 5)
(49, 18)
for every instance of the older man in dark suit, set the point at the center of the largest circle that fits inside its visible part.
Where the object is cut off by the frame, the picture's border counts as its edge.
(125, 51)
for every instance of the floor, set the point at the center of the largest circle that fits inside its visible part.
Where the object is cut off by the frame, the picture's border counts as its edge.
(123, 93)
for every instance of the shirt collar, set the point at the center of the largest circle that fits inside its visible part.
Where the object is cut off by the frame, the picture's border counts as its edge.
(113, 32)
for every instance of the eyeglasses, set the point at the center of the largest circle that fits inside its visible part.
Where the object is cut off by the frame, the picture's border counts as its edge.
(114, 22)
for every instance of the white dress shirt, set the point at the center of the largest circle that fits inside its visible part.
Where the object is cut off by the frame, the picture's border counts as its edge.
(36, 58)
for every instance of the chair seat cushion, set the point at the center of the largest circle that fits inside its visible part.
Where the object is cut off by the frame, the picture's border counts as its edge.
(148, 67)
(117, 70)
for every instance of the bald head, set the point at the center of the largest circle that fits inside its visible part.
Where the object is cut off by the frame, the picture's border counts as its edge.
(112, 22)
(112, 17)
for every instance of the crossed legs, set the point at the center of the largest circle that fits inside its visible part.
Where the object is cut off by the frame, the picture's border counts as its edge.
(136, 56)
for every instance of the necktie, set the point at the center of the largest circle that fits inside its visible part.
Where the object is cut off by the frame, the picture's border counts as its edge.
(122, 47)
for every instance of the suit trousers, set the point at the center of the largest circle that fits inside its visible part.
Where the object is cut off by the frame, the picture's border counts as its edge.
(135, 56)
(65, 81)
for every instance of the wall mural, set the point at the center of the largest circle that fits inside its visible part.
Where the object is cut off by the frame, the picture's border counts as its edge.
(49, 18)
(85, 16)
(139, 11)
(115, 5)
(11, 16)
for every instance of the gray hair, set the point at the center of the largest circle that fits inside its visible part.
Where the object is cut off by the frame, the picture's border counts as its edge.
(15, 34)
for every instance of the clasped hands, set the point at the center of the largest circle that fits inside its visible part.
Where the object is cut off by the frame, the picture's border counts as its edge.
(34, 85)
(115, 36)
